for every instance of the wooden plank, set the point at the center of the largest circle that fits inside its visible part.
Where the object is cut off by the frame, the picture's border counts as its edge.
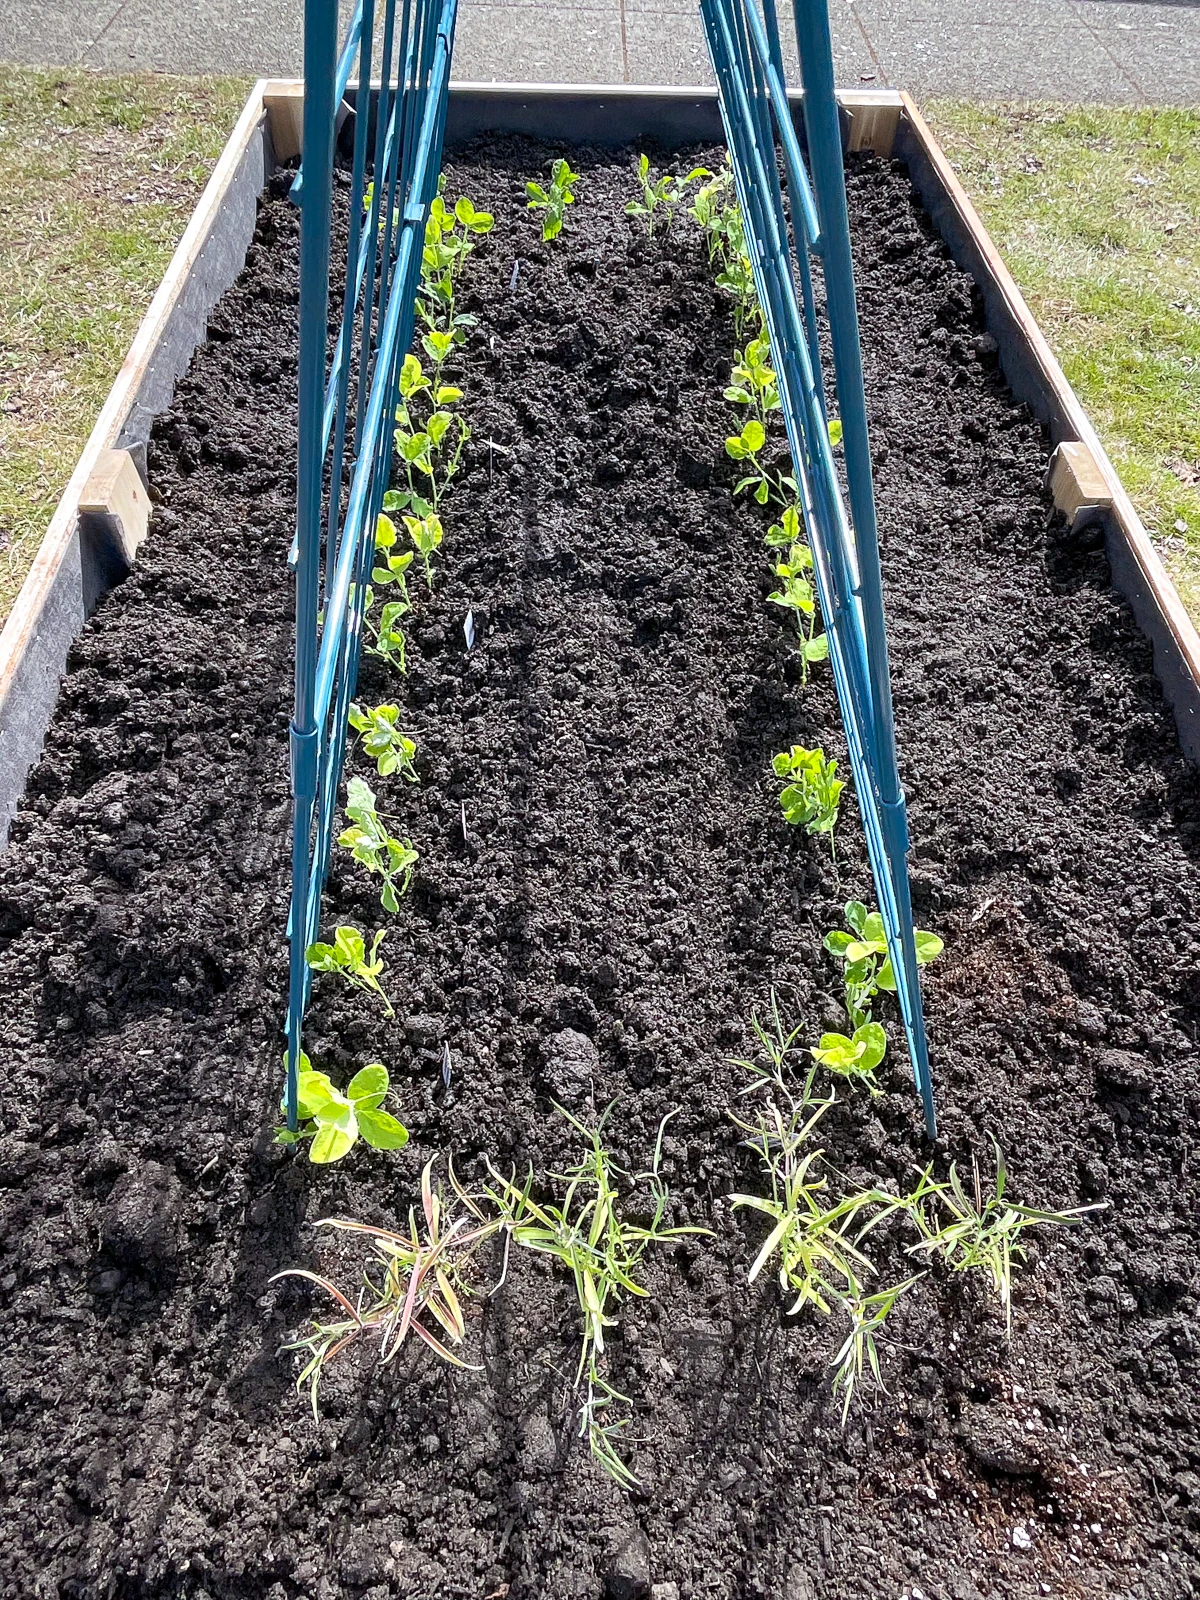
(283, 101)
(115, 491)
(1075, 480)
(874, 118)
(1137, 568)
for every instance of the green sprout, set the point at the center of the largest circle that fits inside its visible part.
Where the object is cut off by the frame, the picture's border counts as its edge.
(665, 191)
(386, 635)
(426, 535)
(587, 1233)
(813, 792)
(335, 1121)
(798, 596)
(391, 750)
(370, 843)
(555, 200)
(854, 1058)
(753, 381)
(813, 1244)
(980, 1234)
(867, 966)
(347, 955)
(713, 210)
(431, 449)
(425, 1276)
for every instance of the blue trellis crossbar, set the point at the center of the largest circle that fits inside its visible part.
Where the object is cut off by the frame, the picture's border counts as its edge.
(748, 63)
(336, 519)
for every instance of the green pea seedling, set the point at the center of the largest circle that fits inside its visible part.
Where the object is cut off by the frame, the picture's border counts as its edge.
(335, 1121)
(867, 965)
(754, 383)
(370, 843)
(555, 200)
(712, 210)
(391, 750)
(810, 800)
(665, 191)
(347, 955)
(798, 596)
(856, 1057)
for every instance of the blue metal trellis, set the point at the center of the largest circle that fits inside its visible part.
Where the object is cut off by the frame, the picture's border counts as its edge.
(351, 405)
(748, 62)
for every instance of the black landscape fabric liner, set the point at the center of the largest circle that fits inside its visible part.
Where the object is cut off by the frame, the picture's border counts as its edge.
(626, 895)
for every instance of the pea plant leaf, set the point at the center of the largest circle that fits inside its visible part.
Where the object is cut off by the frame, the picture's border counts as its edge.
(335, 1120)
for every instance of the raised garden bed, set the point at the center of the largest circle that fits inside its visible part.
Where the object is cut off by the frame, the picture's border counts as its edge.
(607, 891)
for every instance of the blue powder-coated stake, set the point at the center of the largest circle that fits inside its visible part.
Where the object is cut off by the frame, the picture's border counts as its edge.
(747, 63)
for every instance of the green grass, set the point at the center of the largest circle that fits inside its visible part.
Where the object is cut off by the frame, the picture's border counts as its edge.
(1097, 213)
(98, 176)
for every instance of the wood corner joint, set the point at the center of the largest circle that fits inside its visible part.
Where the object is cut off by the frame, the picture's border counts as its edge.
(1076, 481)
(114, 503)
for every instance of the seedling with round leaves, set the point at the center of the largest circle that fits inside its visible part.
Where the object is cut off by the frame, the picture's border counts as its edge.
(425, 1278)
(389, 748)
(426, 535)
(386, 637)
(713, 210)
(588, 1233)
(430, 449)
(797, 596)
(980, 1233)
(811, 796)
(335, 1120)
(553, 201)
(855, 1057)
(753, 381)
(370, 844)
(867, 968)
(662, 193)
(347, 957)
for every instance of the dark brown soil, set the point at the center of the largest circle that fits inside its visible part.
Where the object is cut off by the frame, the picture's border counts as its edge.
(626, 876)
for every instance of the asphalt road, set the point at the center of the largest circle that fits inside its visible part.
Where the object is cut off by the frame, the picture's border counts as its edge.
(1099, 50)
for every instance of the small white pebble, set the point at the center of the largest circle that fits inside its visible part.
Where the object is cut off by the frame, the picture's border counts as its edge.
(1021, 1539)
(1095, 1527)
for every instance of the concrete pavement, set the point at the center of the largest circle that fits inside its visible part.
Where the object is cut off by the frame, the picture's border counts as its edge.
(1099, 50)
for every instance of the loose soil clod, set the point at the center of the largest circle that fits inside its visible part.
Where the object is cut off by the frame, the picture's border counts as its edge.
(625, 892)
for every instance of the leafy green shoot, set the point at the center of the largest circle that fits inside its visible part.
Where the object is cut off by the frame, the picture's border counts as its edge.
(753, 381)
(347, 956)
(867, 968)
(665, 191)
(860, 1353)
(978, 1232)
(813, 1243)
(335, 1121)
(587, 1232)
(812, 794)
(797, 594)
(713, 210)
(854, 1058)
(426, 535)
(373, 847)
(422, 1279)
(554, 200)
(430, 436)
(382, 739)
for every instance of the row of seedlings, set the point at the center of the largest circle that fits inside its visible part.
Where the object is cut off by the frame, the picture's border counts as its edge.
(430, 437)
(818, 1226)
(417, 1281)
